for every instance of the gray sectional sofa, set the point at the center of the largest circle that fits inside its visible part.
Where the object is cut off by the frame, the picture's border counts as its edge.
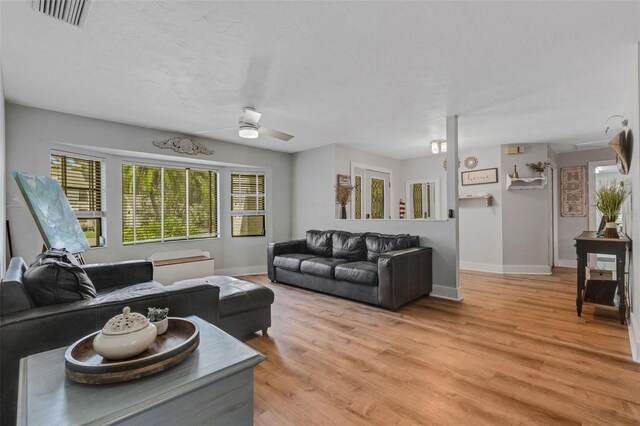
(382, 270)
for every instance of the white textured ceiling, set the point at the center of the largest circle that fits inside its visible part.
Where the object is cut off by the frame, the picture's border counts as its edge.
(379, 76)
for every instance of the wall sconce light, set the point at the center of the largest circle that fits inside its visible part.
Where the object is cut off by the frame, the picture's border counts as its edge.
(438, 146)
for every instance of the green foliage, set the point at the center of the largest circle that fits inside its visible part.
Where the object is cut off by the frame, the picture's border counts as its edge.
(610, 197)
(157, 314)
(149, 202)
(539, 166)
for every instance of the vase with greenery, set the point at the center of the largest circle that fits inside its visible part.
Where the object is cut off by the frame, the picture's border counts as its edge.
(610, 196)
(158, 316)
(539, 167)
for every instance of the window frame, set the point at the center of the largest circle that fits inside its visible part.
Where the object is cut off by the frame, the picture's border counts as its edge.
(95, 214)
(162, 167)
(240, 213)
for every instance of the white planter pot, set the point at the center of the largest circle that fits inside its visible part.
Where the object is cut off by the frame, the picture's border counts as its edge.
(161, 325)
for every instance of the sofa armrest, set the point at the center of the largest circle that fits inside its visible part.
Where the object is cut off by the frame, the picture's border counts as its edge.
(276, 249)
(106, 275)
(403, 276)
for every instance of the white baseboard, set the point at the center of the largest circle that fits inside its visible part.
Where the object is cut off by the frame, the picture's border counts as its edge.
(243, 270)
(481, 267)
(634, 338)
(567, 263)
(445, 292)
(527, 269)
(506, 269)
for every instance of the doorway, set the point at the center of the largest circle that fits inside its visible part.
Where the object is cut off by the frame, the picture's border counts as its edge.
(372, 192)
(601, 172)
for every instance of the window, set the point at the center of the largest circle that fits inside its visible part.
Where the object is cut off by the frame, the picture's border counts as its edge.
(168, 203)
(82, 180)
(247, 204)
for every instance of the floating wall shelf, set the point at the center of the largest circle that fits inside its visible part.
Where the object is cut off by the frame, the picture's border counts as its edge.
(538, 182)
(486, 196)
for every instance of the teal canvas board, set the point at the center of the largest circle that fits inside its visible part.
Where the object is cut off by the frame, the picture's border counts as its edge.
(52, 212)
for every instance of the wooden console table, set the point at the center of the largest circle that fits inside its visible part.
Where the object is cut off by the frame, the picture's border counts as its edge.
(214, 385)
(588, 242)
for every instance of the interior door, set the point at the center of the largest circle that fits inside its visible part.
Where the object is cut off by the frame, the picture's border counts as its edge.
(422, 199)
(376, 195)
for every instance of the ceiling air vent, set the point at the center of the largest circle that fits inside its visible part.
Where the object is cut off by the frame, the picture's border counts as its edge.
(73, 12)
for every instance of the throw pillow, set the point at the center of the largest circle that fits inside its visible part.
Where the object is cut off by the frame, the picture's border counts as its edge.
(56, 277)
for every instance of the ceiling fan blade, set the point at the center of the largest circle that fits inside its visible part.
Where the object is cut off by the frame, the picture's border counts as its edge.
(215, 130)
(274, 134)
(251, 116)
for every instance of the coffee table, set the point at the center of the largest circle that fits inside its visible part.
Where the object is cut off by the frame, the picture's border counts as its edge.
(214, 385)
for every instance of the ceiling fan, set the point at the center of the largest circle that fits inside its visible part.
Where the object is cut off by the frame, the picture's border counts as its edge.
(249, 128)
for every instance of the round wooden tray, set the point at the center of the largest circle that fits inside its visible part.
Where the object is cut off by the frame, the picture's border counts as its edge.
(84, 365)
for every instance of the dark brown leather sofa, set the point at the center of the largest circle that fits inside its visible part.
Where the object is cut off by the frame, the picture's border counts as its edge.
(238, 307)
(382, 270)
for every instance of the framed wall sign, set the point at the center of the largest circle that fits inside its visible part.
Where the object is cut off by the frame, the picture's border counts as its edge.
(479, 177)
(573, 187)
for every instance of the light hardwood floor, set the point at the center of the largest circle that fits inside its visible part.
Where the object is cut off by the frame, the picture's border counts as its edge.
(512, 352)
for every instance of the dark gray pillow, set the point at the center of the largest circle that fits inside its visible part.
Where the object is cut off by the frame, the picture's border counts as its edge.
(346, 245)
(378, 244)
(319, 242)
(55, 278)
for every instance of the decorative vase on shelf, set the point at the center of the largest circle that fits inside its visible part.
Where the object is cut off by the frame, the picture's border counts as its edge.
(515, 175)
(343, 212)
(611, 230)
(540, 174)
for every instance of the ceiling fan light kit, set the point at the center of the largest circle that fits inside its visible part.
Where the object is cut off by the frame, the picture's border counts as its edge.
(247, 131)
(438, 146)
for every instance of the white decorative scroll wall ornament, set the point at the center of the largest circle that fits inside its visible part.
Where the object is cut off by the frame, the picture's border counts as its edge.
(185, 145)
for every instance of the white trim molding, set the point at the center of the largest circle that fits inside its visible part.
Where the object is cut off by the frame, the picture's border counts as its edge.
(507, 269)
(634, 338)
(481, 267)
(446, 292)
(243, 270)
(566, 263)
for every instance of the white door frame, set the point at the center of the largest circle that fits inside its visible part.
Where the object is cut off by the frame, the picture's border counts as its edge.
(355, 166)
(436, 196)
(555, 211)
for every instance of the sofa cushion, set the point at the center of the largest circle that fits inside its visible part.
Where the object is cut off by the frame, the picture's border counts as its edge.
(320, 266)
(291, 262)
(381, 243)
(112, 291)
(319, 243)
(358, 272)
(237, 296)
(345, 245)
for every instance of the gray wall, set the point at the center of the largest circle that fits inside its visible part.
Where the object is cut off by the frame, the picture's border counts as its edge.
(314, 176)
(569, 227)
(632, 112)
(481, 226)
(526, 216)
(33, 133)
(3, 244)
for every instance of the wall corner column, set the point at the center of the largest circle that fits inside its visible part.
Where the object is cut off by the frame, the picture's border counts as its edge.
(452, 194)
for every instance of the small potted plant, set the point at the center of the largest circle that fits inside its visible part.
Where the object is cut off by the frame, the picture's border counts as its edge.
(158, 317)
(610, 197)
(539, 167)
